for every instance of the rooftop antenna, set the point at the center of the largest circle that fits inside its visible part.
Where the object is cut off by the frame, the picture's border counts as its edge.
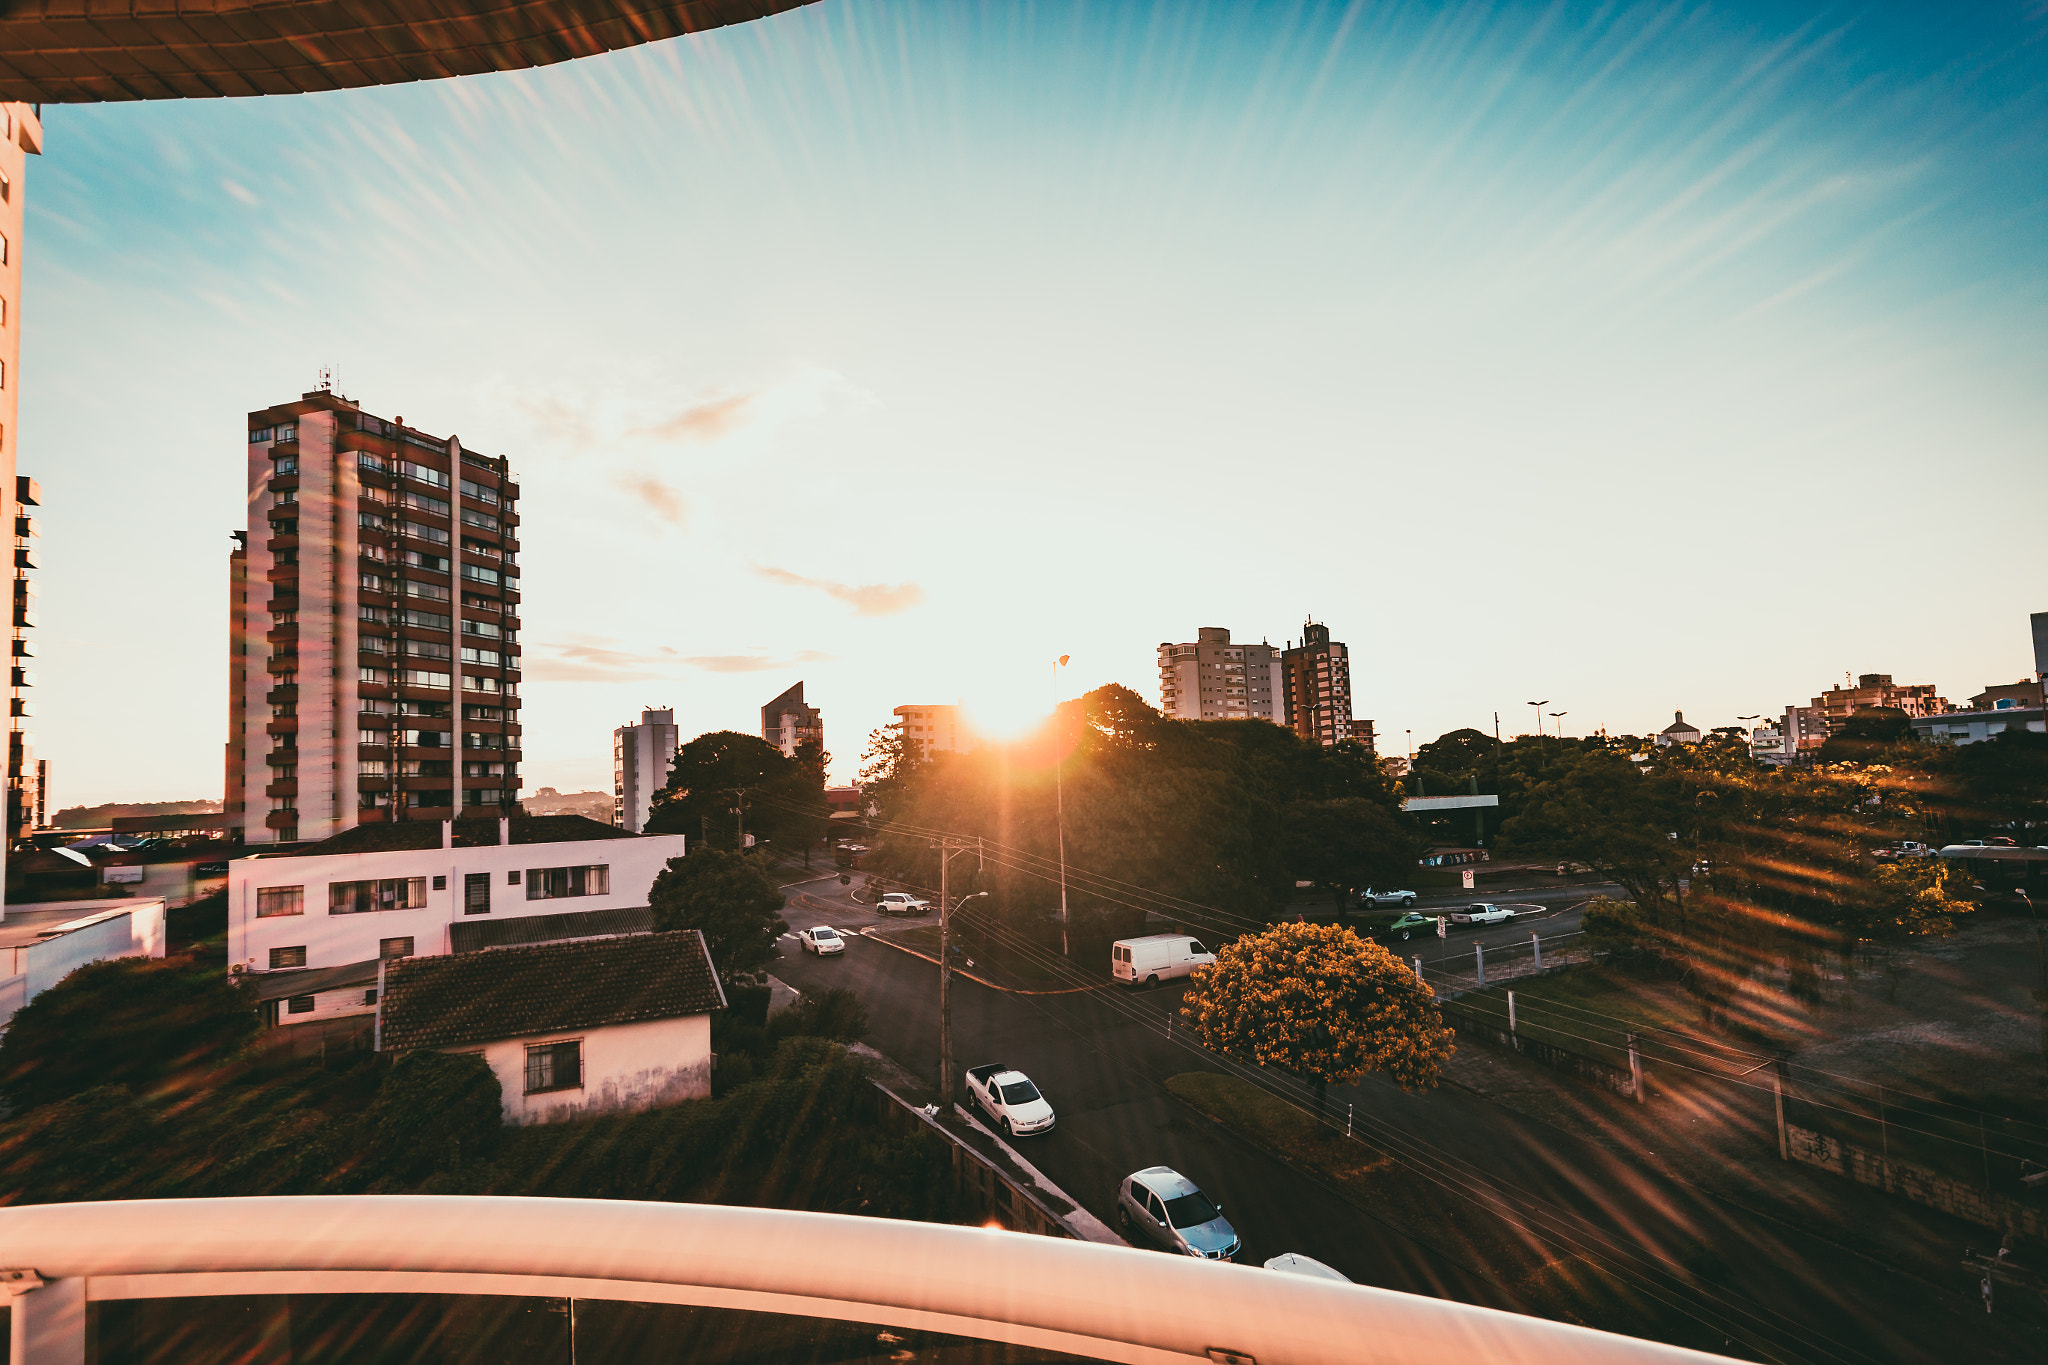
(330, 380)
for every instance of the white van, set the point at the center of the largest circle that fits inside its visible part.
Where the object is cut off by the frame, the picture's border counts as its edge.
(1156, 957)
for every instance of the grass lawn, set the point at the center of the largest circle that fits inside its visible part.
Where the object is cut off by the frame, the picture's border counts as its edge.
(1592, 1008)
(1545, 1282)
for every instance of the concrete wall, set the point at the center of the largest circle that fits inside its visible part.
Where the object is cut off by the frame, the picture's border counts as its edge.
(1915, 1183)
(626, 1068)
(335, 940)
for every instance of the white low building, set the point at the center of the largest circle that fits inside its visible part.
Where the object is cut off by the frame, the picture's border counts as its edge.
(602, 1026)
(428, 888)
(40, 945)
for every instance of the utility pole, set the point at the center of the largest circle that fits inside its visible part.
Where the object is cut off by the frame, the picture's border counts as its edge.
(947, 852)
(1059, 788)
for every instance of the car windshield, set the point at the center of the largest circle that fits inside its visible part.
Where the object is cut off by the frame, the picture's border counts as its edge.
(823, 934)
(1019, 1092)
(1191, 1210)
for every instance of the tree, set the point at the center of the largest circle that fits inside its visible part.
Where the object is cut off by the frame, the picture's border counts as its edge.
(728, 898)
(1918, 898)
(136, 1022)
(1867, 735)
(717, 772)
(1319, 1001)
(1345, 844)
(811, 822)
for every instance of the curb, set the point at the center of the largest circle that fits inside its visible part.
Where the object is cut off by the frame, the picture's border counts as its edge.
(1085, 1226)
(871, 936)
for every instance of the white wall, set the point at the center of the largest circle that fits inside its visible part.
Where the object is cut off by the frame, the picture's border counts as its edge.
(29, 969)
(335, 940)
(626, 1067)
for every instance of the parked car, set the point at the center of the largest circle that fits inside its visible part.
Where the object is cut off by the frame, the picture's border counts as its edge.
(1155, 958)
(821, 939)
(901, 903)
(1409, 925)
(1404, 899)
(1483, 912)
(1294, 1263)
(1161, 1206)
(1007, 1095)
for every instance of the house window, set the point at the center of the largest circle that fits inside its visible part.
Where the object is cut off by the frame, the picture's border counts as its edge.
(299, 1004)
(476, 893)
(280, 900)
(512, 877)
(288, 957)
(370, 996)
(552, 883)
(440, 883)
(554, 1066)
(387, 893)
(395, 947)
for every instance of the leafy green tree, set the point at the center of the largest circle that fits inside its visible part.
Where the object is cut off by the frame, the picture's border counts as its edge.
(149, 1025)
(729, 898)
(718, 772)
(436, 1112)
(1321, 1002)
(1868, 736)
(1614, 928)
(1345, 844)
(1919, 898)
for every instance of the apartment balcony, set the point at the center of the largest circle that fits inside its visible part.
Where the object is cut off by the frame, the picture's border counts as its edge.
(284, 755)
(25, 558)
(278, 696)
(281, 663)
(282, 635)
(288, 725)
(288, 787)
(281, 819)
(284, 483)
(281, 575)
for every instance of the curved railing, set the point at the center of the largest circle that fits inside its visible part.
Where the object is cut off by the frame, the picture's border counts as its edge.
(1107, 1303)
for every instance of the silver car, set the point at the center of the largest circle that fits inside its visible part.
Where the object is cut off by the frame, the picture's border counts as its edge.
(1161, 1206)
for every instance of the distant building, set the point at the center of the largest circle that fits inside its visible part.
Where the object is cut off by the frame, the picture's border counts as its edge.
(25, 774)
(603, 1026)
(1361, 732)
(2039, 622)
(2008, 696)
(1837, 704)
(1213, 679)
(641, 758)
(1678, 731)
(1317, 673)
(929, 730)
(787, 723)
(1974, 727)
(1803, 730)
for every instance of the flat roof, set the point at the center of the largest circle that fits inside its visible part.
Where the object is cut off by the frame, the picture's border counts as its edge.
(26, 924)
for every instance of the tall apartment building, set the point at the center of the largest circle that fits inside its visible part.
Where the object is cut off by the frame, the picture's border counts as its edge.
(1213, 679)
(641, 758)
(25, 796)
(374, 621)
(786, 722)
(1837, 704)
(1318, 677)
(21, 136)
(929, 730)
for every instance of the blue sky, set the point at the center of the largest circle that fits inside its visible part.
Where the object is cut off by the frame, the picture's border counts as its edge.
(1635, 357)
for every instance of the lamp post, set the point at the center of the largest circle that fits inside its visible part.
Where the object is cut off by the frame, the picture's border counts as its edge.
(1752, 734)
(1537, 707)
(1059, 789)
(1559, 716)
(947, 852)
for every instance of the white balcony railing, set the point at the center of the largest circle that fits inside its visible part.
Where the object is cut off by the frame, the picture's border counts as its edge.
(1082, 1299)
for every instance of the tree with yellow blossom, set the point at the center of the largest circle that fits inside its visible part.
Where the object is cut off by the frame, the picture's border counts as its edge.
(1321, 1002)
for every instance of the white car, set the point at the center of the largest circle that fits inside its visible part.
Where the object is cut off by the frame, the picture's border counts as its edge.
(1007, 1095)
(1294, 1263)
(1483, 912)
(821, 939)
(1404, 899)
(901, 903)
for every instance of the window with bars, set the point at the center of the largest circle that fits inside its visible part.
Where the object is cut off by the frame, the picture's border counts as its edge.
(553, 883)
(554, 1066)
(280, 900)
(288, 957)
(387, 893)
(476, 893)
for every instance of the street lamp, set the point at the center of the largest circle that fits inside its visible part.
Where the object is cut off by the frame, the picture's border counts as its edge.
(1538, 706)
(1559, 716)
(946, 981)
(1059, 790)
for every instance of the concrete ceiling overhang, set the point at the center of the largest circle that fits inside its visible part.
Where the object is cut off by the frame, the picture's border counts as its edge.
(87, 51)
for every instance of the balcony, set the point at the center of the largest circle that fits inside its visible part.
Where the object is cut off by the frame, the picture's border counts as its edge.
(278, 696)
(288, 787)
(742, 1279)
(281, 819)
(288, 725)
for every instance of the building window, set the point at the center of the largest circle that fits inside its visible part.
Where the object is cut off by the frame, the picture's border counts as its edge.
(394, 947)
(280, 900)
(553, 883)
(299, 1004)
(476, 893)
(386, 893)
(370, 996)
(554, 1066)
(512, 877)
(287, 957)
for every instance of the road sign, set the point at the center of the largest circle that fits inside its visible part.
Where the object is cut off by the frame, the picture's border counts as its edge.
(1443, 926)
(1468, 879)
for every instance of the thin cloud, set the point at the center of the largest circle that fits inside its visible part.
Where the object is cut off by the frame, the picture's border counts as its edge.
(752, 663)
(663, 501)
(866, 599)
(593, 663)
(239, 191)
(700, 421)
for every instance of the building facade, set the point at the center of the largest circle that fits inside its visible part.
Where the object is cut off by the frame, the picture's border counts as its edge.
(1974, 727)
(1318, 678)
(374, 621)
(25, 773)
(1837, 704)
(787, 723)
(928, 730)
(21, 136)
(415, 890)
(641, 757)
(1213, 679)
(1679, 731)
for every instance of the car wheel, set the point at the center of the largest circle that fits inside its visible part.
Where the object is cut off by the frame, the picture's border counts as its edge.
(1004, 1124)
(1123, 1219)
(1151, 981)
(1408, 904)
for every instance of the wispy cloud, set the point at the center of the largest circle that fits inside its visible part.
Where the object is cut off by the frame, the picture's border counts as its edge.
(659, 498)
(706, 421)
(866, 599)
(753, 663)
(602, 661)
(239, 191)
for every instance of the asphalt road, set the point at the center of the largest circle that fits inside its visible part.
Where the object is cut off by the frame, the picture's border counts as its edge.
(1102, 1059)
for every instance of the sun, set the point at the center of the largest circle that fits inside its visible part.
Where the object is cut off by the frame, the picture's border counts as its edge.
(1005, 717)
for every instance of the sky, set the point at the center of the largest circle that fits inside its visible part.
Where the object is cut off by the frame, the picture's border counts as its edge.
(1631, 357)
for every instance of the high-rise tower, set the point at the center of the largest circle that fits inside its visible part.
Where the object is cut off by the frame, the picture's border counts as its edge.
(641, 758)
(374, 670)
(1318, 672)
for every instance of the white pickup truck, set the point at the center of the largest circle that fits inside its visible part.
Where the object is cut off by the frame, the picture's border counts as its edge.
(1404, 899)
(1483, 912)
(1007, 1096)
